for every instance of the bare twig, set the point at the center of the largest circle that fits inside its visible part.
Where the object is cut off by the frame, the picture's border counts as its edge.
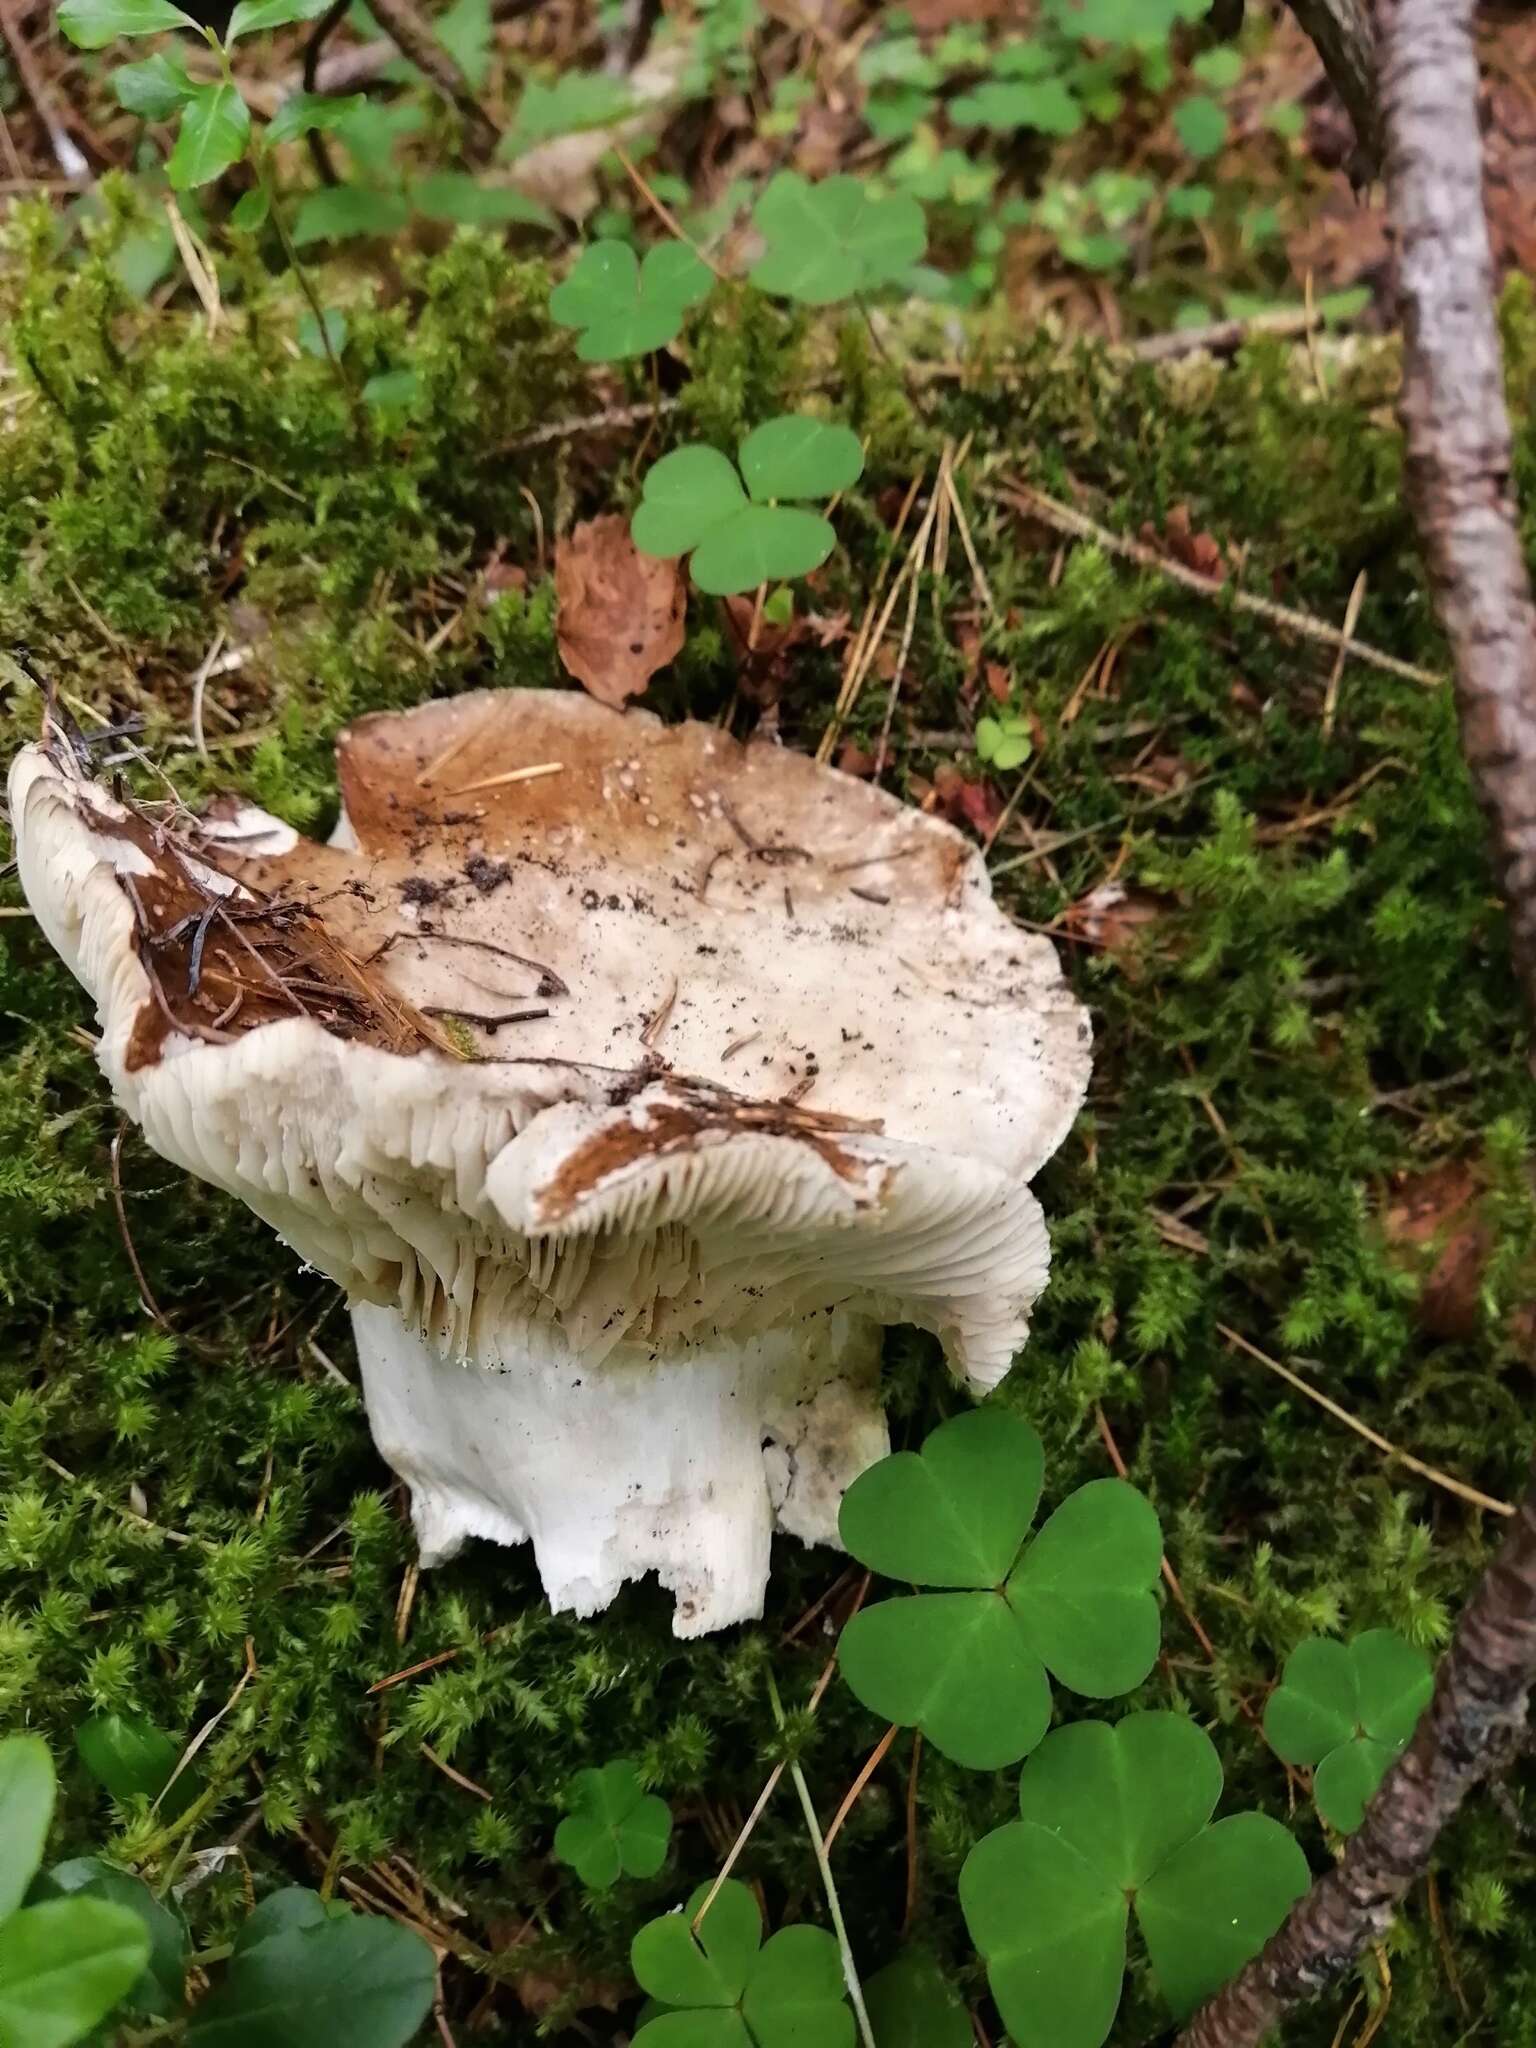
(1459, 480)
(1051, 512)
(1345, 41)
(415, 40)
(37, 89)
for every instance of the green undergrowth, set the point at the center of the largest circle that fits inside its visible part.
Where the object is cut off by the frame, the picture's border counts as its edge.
(1318, 1002)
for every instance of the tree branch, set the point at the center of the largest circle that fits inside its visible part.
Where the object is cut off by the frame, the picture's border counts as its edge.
(1458, 471)
(1346, 42)
(414, 39)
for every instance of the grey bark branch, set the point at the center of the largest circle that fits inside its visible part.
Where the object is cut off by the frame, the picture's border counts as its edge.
(1346, 42)
(1458, 472)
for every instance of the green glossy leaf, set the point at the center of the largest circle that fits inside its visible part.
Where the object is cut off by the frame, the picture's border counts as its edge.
(133, 1758)
(158, 1991)
(155, 88)
(295, 1907)
(1082, 1590)
(833, 239)
(302, 111)
(685, 497)
(92, 24)
(625, 307)
(709, 1968)
(615, 1827)
(215, 127)
(1051, 1930)
(63, 1966)
(953, 1514)
(1200, 125)
(1124, 1796)
(761, 545)
(26, 1809)
(1393, 1682)
(1316, 1705)
(954, 1665)
(911, 2004)
(1215, 1903)
(455, 196)
(250, 17)
(347, 1982)
(1046, 105)
(1345, 1782)
(337, 213)
(794, 1996)
(796, 457)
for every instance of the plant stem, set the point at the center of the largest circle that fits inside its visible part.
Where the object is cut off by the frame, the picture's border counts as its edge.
(306, 286)
(834, 1904)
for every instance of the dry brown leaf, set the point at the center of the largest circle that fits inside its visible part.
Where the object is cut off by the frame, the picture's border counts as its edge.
(621, 612)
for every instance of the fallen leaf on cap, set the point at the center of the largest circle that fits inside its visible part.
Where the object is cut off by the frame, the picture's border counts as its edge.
(620, 612)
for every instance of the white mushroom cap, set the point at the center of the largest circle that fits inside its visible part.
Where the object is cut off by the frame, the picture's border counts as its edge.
(598, 1036)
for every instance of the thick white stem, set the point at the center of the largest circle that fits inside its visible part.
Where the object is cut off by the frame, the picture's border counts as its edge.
(680, 1462)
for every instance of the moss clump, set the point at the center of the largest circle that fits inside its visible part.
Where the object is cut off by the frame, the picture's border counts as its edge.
(1316, 1001)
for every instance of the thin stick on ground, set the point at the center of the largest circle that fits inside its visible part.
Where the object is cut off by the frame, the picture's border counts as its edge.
(1459, 462)
(829, 1883)
(1471, 1494)
(1064, 519)
(414, 39)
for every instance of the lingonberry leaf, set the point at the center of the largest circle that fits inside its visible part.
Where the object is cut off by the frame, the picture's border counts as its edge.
(158, 1991)
(615, 1827)
(833, 239)
(133, 1758)
(345, 1980)
(625, 307)
(26, 1808)
(968, 1666)
(693, 500)
(1115, 1818)
(63, 1966)
(1348, 1708)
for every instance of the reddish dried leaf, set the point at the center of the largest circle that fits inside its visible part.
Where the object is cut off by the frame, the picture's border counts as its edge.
(1433, 1223)
(620, 612)
(1115, 919)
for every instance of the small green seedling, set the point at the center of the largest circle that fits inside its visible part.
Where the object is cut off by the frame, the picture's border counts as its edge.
(693, 502)
(968, 1666)
(65, 1962)
(1004, 743)
(625, 307)
(615, 1828)
(1043, 104)
(725, 1987)
(1115, 1819)
(833, 239)
(1348, 1709)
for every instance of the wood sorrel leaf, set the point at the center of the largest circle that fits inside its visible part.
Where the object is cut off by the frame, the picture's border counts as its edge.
(797, 457)
(954, 1665)
(833, 239)
(1083, 1589)
(1215, 1902)
(954, 1513)
(1050, 1928)
(615, 1827)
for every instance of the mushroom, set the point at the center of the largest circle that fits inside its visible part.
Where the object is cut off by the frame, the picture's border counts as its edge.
(629, 1079)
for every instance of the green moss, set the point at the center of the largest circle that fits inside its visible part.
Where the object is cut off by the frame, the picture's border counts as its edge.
(1322, 1002)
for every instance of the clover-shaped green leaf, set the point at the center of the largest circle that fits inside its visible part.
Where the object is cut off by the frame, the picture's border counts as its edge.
(968, 1665)
(725, 1987)
(1117, 1819)
(833, 239)
(911, 2005)
(615, 1828)
(1043, 104)
(693, 501)
(625, 307)
(1004, 742)
(1348, 1709)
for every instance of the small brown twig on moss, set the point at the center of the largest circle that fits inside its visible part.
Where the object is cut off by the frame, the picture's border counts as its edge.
(1459, 462)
